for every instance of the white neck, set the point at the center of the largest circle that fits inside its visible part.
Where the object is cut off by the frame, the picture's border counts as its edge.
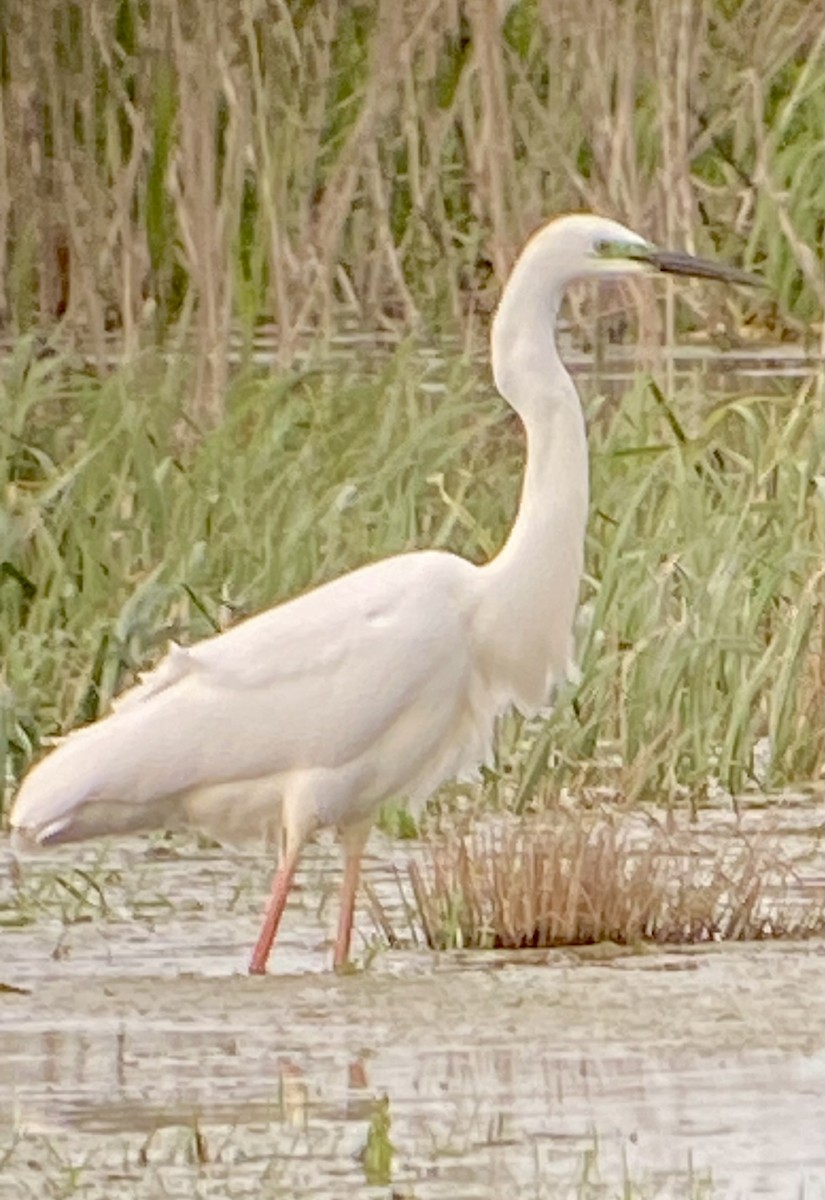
(530, 590)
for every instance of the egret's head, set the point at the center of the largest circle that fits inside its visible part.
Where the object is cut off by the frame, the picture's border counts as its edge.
(595, 246)
(578, 246)
(583, 246)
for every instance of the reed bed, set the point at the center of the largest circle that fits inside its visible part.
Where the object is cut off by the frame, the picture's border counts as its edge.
(585, 878)
(173, 174)
(203, 167)
(700, 638)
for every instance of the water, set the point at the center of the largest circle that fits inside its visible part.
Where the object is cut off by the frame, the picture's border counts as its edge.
(616, 361)
(138, 1060)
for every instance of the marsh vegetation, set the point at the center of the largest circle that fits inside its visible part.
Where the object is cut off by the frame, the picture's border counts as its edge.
(185, 173)
(702, 602)
(195, 201)
(205, 166)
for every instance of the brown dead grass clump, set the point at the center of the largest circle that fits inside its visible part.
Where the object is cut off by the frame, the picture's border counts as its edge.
(593, 878)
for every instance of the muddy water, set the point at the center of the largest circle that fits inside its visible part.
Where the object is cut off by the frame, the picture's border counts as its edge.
(137, 1060)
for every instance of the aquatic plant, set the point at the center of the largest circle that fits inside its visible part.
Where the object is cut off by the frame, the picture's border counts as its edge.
(586, 878)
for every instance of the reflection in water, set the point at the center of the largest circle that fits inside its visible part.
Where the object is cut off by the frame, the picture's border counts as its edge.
(142, 1063)
(647, 1116)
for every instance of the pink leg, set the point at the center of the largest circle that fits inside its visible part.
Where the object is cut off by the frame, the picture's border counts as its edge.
(354, 841)
(277, 902)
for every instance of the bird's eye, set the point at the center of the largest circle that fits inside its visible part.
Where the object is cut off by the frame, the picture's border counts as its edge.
(604, 248)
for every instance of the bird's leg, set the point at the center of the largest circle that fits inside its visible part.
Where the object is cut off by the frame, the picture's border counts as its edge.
(274, 909)
(353, 841)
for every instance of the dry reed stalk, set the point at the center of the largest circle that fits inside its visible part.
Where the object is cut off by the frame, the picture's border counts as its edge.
(588, 878)
(490, 136)
(251, 161)
(272, 196)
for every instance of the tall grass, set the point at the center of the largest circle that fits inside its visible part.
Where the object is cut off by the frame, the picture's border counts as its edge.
(704, 582)
(701, 637)
(173, 174)
(203, 165)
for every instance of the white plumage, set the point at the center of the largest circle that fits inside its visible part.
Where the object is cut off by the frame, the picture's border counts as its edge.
(385, 682)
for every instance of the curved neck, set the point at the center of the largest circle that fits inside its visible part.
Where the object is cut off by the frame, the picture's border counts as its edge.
(527, 368)
(552, 512)
(531, 376)
(531, 587)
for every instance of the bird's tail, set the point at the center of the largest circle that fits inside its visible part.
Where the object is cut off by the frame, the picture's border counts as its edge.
(106, 778)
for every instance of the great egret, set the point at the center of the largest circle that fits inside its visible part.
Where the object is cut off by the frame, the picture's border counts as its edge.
(385, 682)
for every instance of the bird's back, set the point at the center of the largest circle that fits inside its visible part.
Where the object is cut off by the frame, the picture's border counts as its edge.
(369, 677)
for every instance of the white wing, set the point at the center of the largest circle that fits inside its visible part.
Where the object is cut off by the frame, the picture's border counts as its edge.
(317, 683)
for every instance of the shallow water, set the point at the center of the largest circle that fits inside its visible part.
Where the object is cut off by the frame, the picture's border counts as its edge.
(136, 1058)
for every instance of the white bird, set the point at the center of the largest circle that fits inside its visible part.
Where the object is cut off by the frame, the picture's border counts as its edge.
(385, 682)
